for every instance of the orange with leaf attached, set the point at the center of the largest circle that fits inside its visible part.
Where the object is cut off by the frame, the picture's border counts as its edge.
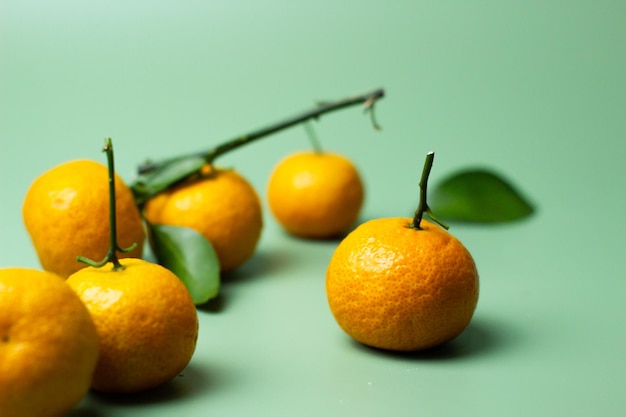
(221, 205)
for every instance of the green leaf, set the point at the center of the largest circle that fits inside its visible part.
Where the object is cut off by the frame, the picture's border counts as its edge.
(153, 182)
(190, 256)
(478, 196)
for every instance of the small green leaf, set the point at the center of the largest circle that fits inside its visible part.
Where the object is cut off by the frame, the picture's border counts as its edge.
(190, 256)
(478, 196)
(164, 176)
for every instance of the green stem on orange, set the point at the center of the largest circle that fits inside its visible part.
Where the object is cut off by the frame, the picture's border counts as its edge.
(368, 101)
(313, 138)
(423, 204)
(111, 255)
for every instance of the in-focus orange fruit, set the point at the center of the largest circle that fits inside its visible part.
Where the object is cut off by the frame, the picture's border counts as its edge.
(315, 194)
(146, 321)
(48, 345)
(394, 287)
(66, 213)
(221, 205)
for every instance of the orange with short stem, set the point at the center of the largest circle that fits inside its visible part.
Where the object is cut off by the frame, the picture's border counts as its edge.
(402, 284)
(146, 320)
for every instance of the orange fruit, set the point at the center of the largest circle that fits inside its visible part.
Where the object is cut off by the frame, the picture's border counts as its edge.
(394, 287)
(221, 205)
(48, 345)
(146, 321)
(66, 213)
(315, 194)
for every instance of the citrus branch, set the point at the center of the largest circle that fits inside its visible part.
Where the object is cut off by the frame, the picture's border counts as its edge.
(423, 204)
(156, 177)
(111, 255)
(367, 100)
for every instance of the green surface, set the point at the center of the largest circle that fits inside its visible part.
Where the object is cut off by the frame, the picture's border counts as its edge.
(534, 90)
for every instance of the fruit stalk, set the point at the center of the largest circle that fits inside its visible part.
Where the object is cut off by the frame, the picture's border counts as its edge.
(423, 204)
(315, 142)
(111, 255)
(368, 101)
(156, 177)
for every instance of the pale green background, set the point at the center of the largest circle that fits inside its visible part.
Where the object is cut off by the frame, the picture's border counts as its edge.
(533, 89)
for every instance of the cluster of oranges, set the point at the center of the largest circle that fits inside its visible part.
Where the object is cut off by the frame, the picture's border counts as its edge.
(121, 327)
(131, 325)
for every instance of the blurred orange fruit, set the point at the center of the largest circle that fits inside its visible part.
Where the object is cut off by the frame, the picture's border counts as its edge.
(48, 345)
(66, 213)
(221, 205)
(146, 321)
(315, 194)
(394, 287)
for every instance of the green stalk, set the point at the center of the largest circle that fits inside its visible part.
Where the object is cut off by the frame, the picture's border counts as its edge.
(423, 204)
(156, 177)
(367, 100)
(111, 255)
(313, 138)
